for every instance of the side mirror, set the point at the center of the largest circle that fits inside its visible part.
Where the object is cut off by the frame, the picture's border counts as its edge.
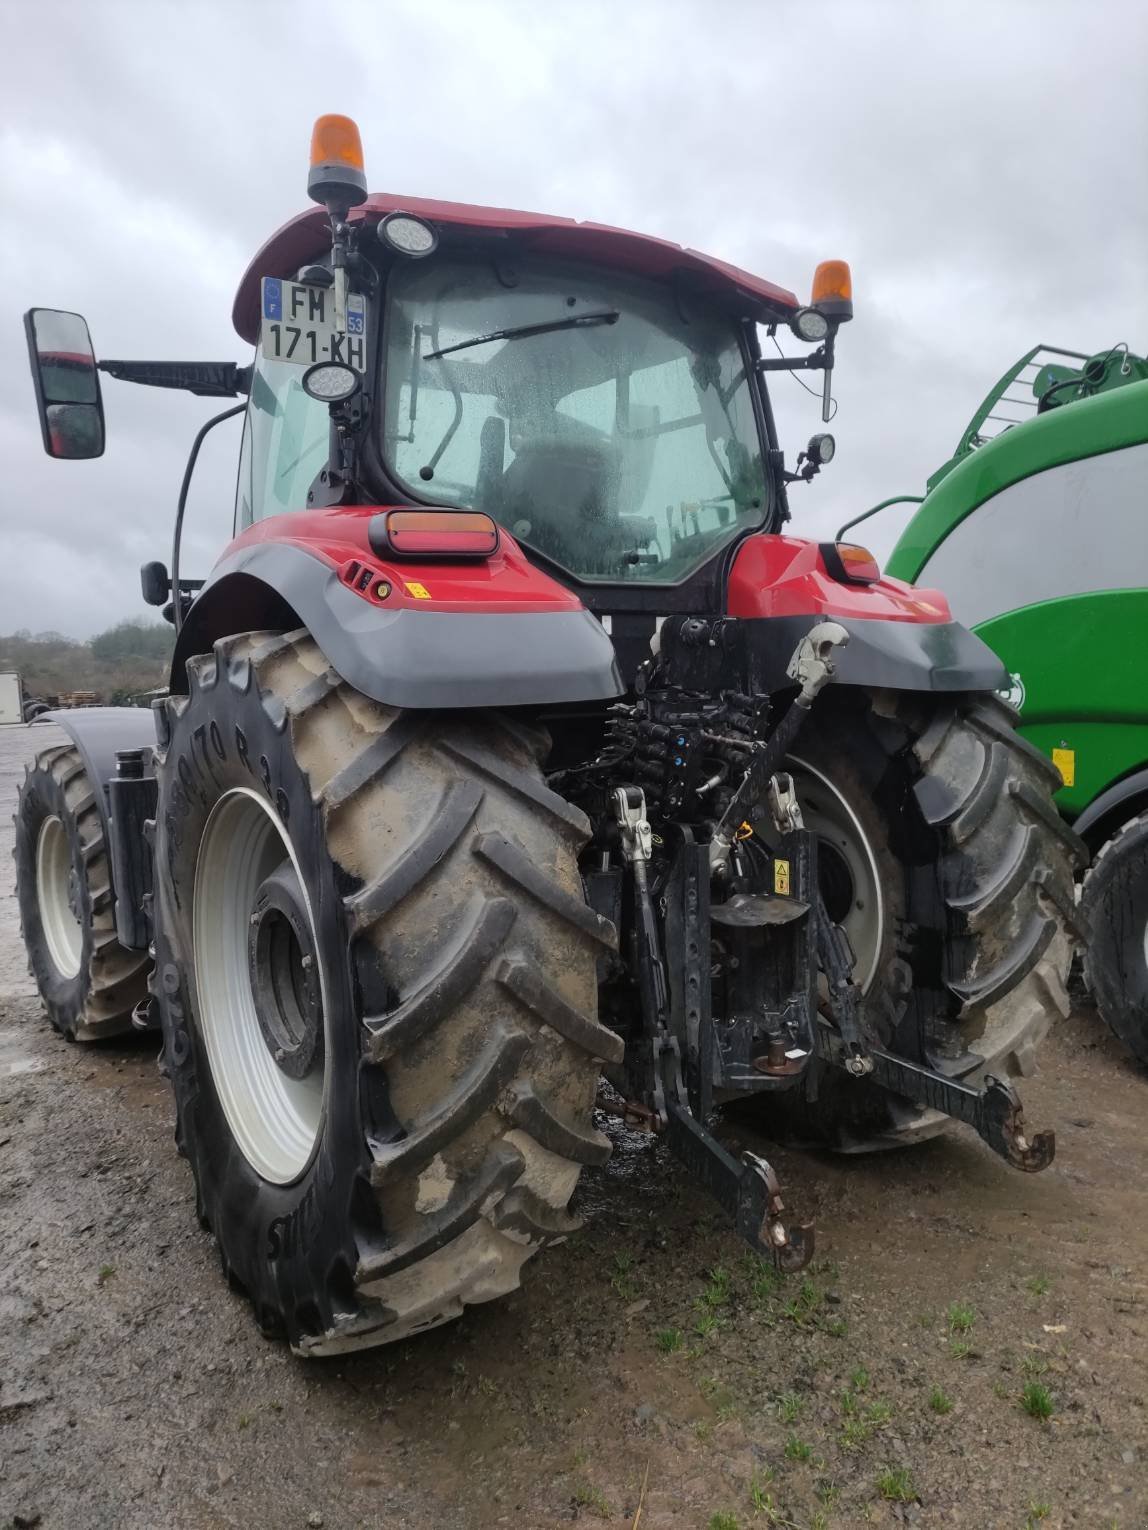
(66, 382)
(155, 583)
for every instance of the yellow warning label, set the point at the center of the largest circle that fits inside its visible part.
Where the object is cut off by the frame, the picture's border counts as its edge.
(1065, 762)
(419, 591)
(781, 878)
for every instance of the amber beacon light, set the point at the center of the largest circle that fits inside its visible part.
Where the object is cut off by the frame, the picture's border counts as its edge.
(833, 289)
(337, 172)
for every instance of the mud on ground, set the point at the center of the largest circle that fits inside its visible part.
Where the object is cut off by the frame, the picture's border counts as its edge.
(649, 1362)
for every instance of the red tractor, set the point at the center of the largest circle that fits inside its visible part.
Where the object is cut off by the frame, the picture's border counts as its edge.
(513, 742)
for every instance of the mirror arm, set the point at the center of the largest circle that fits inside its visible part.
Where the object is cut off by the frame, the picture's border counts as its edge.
(177, 535)
(206, 379)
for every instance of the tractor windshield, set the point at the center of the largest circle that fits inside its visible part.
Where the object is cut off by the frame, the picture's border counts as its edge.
(598, 418)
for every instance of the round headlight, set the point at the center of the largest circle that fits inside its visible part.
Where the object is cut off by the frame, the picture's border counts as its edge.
(809, 324)
(821, 448)
(408, 235)
(329, 382)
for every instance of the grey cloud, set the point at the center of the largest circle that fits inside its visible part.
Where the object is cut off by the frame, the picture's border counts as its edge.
(982, 165)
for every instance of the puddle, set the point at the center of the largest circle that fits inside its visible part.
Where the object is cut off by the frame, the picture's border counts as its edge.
(14, 1056)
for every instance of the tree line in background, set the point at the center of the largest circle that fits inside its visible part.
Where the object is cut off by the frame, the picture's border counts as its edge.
(120, 665)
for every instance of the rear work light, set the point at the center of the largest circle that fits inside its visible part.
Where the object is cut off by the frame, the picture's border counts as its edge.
(849, 563)
(433, 534)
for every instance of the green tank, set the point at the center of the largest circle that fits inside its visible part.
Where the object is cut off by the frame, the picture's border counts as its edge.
(1036, 529)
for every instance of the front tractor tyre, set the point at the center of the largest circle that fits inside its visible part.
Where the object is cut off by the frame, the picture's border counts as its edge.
(376, 973)
(1114, 906)
(89, 983)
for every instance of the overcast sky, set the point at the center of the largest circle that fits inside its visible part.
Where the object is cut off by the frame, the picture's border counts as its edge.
(983, 166)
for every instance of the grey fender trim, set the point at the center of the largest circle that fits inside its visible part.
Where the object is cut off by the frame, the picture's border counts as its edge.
(899, 656)
(408, 658)
(1133, 786)
(97, 733)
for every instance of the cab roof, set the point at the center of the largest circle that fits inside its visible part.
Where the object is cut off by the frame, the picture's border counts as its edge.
(305, 237)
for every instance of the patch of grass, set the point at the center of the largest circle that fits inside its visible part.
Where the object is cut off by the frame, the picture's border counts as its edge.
(961, 1317)
(926, 1319)
(1036, 1400)
(669, 1340)
(622, 1279)
(837, 1328)
(855, 1434)
(708, 1323)
(244, 1421)
(819, 1521)
(1040, 1285)
(1033, 1366)
(758, 1496)
(1036, 1512)
(703, 1430)
(718, 1289)
(107, 1271)
(802, 1308)
(789, 1407)
(797, 1450)
(589, 1497)
(999, 1389)
(828, 1492)
(959, 1350)
(859, 1379)
(895, 1484)
(860, 1426)
(724, 1520)
(940, 1401)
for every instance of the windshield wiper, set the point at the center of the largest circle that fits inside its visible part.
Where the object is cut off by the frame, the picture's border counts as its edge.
(521, 331)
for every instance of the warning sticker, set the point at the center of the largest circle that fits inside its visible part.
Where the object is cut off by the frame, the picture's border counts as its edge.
(781, 878)
(1065, 762)
(419, 591)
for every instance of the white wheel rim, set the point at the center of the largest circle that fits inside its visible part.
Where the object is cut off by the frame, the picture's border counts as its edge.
(62, 929)
(839, 831)
(274, 1119)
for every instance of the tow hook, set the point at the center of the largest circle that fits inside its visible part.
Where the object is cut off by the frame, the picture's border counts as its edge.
(994, 1111)
(748, 1189)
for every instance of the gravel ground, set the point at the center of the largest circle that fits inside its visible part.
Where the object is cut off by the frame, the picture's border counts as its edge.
(648, 1362)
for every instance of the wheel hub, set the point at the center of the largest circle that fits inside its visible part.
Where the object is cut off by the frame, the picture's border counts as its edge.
(284, 977)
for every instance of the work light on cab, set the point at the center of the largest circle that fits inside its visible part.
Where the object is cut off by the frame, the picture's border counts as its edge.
(809, 324)
(330, 383)
(408, 235)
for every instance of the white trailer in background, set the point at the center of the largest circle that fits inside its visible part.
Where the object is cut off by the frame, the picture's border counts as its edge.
(11, 697)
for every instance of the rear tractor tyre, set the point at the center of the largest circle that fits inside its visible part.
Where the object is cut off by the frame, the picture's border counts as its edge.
(1114, 906)
(89, 983)
(377, 978)
(944, 860)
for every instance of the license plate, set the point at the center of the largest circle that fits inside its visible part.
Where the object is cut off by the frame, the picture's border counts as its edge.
(298, 325)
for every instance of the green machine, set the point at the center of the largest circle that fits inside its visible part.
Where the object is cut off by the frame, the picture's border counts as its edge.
(1036, 529)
